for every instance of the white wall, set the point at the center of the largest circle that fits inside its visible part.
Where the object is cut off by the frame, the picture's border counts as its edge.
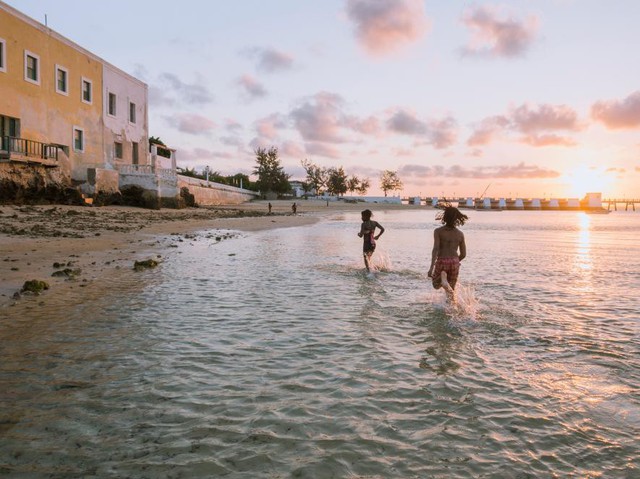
(118, 128)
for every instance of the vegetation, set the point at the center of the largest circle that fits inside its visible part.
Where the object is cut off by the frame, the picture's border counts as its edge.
(271, 175)
(161, 147)
(389, 181)
(334, 180)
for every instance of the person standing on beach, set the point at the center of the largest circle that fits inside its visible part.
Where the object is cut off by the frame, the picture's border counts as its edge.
(294, 208)
(449, 249)
(270, 207)
(367, 232)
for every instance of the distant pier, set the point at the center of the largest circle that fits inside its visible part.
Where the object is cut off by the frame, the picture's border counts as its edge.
(591, 202)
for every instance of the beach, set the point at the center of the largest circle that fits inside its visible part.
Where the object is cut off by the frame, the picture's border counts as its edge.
(97, 240)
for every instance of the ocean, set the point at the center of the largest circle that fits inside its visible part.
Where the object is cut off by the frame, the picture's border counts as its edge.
(273, 354)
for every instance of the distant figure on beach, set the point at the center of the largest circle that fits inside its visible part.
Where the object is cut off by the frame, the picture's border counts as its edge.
(367, 232)
(445, 258)
(270, 207)
(294, 208)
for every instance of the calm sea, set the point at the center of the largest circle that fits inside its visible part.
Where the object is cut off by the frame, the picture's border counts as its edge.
(274, 355)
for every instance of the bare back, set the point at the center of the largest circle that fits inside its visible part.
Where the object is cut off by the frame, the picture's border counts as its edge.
(447, 241)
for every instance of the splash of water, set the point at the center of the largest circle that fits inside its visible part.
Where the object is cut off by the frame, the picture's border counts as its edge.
(381, 261)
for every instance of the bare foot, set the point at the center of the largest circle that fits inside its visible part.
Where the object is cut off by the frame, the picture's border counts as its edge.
(447, 287)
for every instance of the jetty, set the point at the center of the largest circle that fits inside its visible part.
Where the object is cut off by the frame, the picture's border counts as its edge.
(592, 202)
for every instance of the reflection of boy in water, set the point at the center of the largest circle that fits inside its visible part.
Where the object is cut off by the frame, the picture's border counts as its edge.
(367, 231)
(445, 260)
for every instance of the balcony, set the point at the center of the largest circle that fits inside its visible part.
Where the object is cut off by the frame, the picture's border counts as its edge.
(28, 151)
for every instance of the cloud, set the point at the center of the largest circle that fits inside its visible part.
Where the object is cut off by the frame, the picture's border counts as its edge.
(537, 126)
(232, 125)
(322, 149)
(191, 123)
(438, 133)
(250, 87)
(201, 156)
(171, 90)
(320, 118)
(270, 60)
(548, 140)
(268, 127)
(545, 117)
(618, 114)
(406, 123)
(487, 130)
(495, 37)
(384, 26)
(520, 171)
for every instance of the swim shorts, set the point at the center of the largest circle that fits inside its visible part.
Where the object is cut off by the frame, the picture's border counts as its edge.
(449, 265)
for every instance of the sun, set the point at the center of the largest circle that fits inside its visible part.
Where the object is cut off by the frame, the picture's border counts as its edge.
(585, 180)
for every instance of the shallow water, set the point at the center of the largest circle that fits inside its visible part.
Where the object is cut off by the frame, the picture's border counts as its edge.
(275, 355)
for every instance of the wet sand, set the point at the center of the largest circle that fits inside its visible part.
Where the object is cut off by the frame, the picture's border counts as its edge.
(90, 242)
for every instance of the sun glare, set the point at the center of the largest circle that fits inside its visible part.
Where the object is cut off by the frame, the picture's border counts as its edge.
(586, 180)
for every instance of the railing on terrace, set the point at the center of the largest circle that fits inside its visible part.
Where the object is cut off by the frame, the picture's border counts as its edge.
(28, 148)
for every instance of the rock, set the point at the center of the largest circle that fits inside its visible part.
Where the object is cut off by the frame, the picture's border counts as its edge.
(146, 264)
(34, 286)
(67, 272)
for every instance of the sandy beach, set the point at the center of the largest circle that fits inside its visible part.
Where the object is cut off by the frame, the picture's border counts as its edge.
(91, 242)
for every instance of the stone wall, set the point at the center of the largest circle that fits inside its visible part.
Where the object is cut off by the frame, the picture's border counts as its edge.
(210, 193)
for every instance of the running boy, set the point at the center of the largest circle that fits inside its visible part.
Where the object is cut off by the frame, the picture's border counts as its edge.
(445, 259)
(367, 231)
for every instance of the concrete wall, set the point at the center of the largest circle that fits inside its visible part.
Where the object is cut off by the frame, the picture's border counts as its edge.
(215, 193)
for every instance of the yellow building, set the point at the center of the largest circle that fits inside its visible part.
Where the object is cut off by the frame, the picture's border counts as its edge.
(57, 109)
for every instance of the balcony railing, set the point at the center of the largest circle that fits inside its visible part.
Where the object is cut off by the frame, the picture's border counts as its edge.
(27, 148)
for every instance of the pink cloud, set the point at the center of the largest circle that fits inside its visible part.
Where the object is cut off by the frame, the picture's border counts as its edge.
(319, 118)
(548, 140)
(618, 114)
(251, 87)
(520, 171)
(192, 123)
(496, 37)
(438, 133)
(545, 117)
(538, 126)
(384, 26)
(268, 127)
(322, 149)
(487, 130)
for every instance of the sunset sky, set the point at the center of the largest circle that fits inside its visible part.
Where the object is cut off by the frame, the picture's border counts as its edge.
(534, 98)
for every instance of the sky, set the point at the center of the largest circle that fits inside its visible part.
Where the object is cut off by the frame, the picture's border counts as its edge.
(513, 98)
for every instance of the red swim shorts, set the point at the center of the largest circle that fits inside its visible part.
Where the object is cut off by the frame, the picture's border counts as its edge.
(449, 265)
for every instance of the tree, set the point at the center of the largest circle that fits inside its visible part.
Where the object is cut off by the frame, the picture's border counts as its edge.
(316, 176)
(389, 181)
(353, 182)
(363, 186)
(336, 181)
(271, 176)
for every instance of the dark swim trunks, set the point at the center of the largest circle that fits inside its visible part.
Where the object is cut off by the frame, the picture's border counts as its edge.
(369, 244)
(449, 265)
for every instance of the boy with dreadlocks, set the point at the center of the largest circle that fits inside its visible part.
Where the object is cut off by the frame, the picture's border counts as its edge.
(445, 259)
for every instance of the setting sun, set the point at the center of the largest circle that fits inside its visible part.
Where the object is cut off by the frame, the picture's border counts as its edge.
(585, 180)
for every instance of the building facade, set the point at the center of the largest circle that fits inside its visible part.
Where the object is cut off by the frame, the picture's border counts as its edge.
(63, 107)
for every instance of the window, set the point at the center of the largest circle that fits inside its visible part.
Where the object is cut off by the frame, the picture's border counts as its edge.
(78, 139)
(134, 153)
(132, 112)
(62, 80)
(31, 67)
(3, 55)
(112, 104)
(117, 150)
(87, 91)
(9, 126)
